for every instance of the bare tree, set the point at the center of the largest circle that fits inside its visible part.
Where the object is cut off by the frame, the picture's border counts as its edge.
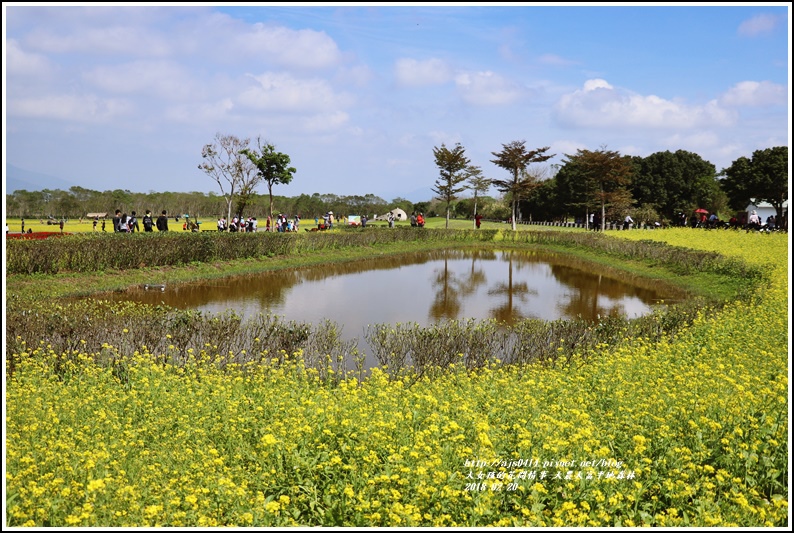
(229, 167)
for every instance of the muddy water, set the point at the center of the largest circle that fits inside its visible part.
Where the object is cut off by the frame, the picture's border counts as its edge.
(424, 287)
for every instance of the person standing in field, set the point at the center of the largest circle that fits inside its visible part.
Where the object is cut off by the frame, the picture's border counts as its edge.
(148, 223)
(132, 223)
(162, 222)
(61, 224)
(116, 221)
(627, 222)
(103, 223)
(477, 220)
(23, 226)
(96, 220)
(754, 222)
(420, 220)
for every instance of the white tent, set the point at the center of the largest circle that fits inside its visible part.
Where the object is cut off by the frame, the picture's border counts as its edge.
(398, 213)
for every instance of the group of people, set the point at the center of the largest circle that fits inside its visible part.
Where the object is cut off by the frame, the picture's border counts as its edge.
(238, 224)
(754, 222)
(283, 223)
(123, 223)
(417, 221)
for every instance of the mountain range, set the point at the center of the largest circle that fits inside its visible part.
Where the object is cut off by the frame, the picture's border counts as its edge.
(19, 179)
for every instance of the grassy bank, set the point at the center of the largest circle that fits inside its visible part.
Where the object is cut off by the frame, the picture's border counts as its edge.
(684, 431)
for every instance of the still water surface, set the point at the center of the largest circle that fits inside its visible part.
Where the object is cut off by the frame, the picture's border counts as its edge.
(426, 288)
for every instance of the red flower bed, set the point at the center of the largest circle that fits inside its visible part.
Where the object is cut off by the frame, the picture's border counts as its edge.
(37, 235)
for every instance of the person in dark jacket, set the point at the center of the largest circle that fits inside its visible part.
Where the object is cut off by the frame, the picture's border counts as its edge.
(162, 222)
(116, 220)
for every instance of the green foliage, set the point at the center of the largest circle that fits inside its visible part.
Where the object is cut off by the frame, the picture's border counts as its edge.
(763, 178)
(272, 167)
(674, 182)
(599, 180)
(452, 165)
(515, 158)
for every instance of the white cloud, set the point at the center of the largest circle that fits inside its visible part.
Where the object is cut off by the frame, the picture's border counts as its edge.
(413, 73)
(487, 88)
(326, 122)
(566, 147)
(163, 79)
(694, 141)
(115, 39)
(283, 92)
(758, 25)
(84, 108)
(359, 75)
(202, 113)
(599, 105)
(22, 63)
(303, 49)
(754, 94)
(592, 85)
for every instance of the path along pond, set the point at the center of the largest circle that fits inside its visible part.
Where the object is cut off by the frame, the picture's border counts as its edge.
(424, 288)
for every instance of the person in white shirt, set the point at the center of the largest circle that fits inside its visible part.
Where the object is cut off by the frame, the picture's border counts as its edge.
(626, 221)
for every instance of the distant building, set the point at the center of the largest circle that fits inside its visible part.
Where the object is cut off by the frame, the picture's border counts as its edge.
(763, 209)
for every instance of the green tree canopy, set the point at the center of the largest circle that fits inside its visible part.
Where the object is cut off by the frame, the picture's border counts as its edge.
(602, 177)
(675, 182)
(515, 158)
(763, 178)
(272, 167)
(478, 183)
(452, 165)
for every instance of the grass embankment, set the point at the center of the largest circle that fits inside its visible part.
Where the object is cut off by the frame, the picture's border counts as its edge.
(685, 432)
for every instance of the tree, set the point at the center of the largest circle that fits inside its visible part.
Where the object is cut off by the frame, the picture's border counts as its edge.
(574, 191)
(515, 158)
(477, 183)
(451, 164)
(674, 182)
(225, 162)
(763, 178)
(543, 202)
(272, 167)
(604, 175)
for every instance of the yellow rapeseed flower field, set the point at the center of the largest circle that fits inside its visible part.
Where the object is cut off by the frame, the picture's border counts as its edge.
(687, 432)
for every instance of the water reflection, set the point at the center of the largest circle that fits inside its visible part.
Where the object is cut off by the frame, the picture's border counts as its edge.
(425, 287)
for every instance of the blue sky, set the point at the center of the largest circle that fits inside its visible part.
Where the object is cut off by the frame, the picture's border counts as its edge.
(124, 96)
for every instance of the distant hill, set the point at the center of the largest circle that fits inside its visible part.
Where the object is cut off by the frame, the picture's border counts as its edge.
(419, 195)
(19, 179)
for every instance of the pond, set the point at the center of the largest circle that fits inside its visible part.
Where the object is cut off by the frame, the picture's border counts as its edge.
(425, 288)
